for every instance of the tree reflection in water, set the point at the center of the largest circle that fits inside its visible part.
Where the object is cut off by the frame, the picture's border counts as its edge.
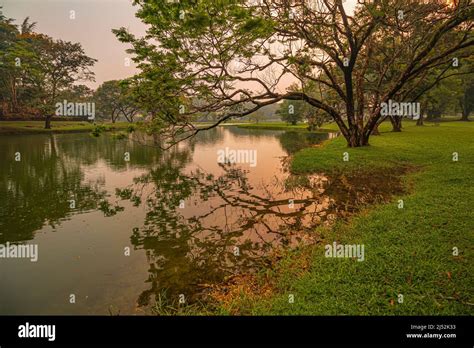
(229, 224)
(37, 190)
(231, 221)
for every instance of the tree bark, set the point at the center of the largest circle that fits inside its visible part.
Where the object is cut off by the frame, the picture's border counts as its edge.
(396, 124)
(375, 131)
(420, 122)
(465, 115)
(465, 109)
(358, 141)
(356, 138)
(47, 123)
(14, 98)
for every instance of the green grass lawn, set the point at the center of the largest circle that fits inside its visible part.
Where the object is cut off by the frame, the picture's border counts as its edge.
(30, 127)
(408, 251)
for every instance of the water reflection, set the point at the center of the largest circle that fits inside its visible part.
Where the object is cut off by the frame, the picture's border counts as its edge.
(290, 141)
(38, 189)
(201, 226)
(194, 220)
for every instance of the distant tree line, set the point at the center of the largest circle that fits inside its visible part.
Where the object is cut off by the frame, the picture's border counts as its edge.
(37, 72)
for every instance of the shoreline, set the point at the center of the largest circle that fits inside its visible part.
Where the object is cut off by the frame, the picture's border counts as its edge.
(392, 235)
(58, 127)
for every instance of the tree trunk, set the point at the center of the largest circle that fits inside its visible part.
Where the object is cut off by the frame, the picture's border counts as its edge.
(419, 122)
(356, 139)
(396, 124)
(3, 109)
(465, 108)
(14, 98)
(47, 123)
(375, 131)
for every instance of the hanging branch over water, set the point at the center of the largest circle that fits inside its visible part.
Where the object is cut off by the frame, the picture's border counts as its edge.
(230, 58)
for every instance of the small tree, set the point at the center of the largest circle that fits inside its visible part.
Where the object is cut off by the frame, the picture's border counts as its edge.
(115, 98)
(257, 116)
(291, 111)
(316, 118)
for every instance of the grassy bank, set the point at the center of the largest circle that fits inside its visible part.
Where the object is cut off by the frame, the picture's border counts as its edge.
(408, 251)
(33, 127)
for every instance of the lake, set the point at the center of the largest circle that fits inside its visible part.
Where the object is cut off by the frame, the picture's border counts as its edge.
(120, 223)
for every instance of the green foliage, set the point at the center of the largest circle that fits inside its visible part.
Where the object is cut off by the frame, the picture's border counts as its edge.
(131, 129)
(257, 116)
(98, 130)
(181, 28)
(291, 111)
(36, 70)
(76, 93)
(227, 58)
(448, 94)
(116, 99)
(294, 111)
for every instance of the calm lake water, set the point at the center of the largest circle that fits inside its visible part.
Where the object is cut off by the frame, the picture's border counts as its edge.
(186, 219)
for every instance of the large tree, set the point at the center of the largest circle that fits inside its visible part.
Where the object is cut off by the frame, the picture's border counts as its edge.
(17, 68)
(61, 64)
(235, 52)
(36, 69)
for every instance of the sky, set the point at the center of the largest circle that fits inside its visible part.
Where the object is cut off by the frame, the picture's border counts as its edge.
(91, 26)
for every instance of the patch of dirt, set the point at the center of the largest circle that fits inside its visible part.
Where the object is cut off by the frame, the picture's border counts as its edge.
(258, 287)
